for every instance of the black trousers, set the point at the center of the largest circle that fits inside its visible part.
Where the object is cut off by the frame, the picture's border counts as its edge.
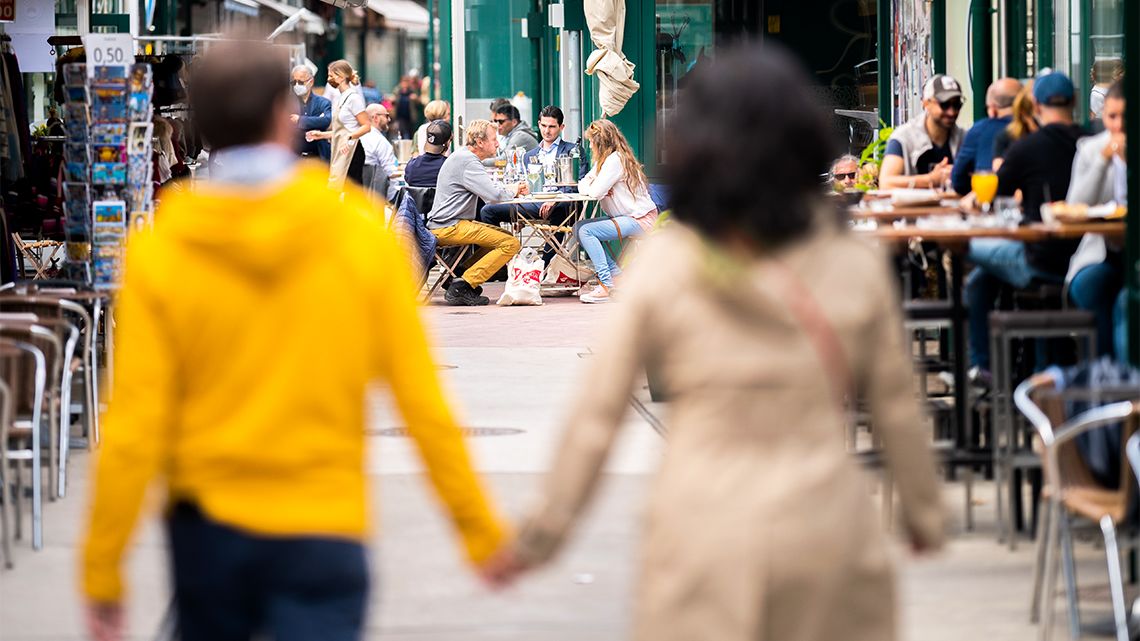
(356, 165)
(230, 585)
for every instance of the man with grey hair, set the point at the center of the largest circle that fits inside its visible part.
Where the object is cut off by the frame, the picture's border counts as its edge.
(977, 151)
(379, 157)
(843, 172)
(313, 113)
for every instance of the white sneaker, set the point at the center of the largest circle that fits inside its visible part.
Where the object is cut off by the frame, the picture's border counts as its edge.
(598, 295)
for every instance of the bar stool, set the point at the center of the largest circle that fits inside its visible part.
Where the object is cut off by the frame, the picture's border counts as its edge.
(1010, 453)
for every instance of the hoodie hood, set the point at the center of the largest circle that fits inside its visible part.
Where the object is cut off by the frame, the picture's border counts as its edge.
(522, 129)
(259, 233)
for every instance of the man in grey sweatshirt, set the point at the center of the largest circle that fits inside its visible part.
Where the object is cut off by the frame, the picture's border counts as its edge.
(462, 181)
(513, 131)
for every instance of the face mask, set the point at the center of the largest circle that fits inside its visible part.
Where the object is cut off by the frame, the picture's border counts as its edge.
(300, 90)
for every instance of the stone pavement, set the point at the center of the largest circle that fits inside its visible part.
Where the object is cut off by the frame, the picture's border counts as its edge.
(517, 368)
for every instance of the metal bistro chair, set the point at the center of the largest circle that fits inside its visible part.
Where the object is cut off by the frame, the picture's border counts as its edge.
(59, 348)
(5, 489)
(28, 433)
(1072, 491)
(447, 259)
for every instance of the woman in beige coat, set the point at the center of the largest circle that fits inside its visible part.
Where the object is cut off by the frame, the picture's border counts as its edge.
(759, 313)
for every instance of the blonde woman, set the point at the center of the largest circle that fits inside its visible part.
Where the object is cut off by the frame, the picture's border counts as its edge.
(349, 123)
(620, 185)
(435, 110)
(1024, 123)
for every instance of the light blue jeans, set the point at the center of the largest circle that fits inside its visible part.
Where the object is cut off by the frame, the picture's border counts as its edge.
(593, 232)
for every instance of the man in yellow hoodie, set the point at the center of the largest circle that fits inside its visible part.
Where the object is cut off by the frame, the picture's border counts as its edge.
(250, 323)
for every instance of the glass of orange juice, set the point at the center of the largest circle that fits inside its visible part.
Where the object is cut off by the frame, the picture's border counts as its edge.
(985, 186)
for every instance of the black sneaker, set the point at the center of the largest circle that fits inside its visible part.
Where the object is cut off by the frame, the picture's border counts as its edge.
(449, 281)
(461, 294)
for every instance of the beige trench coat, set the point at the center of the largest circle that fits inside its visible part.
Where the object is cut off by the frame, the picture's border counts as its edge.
(759, 523)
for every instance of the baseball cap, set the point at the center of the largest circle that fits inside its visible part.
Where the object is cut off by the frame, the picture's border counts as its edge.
(941, 88)
(438, 135)
(1054, 90)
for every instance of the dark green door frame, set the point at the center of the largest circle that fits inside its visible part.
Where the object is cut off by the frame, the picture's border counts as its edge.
(886, 58)
(938, 35)
(981, 44)
(1016, 26)
(1132, 235)
(1044, 35)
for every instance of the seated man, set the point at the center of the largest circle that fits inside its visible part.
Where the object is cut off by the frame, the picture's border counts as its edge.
(423, 170)
(1040, 167)
(462, 181)
(920, 153)
(378, 152)
(844, 172)
(514, 132)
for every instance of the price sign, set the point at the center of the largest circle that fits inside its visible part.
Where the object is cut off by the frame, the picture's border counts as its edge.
(108, 50)
(7, 10)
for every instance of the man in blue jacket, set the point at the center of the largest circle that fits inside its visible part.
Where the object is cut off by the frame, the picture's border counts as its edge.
(977, 151)
(314, 113)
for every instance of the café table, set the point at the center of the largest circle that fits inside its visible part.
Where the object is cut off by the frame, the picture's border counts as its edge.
(955, 241)
(580, 205)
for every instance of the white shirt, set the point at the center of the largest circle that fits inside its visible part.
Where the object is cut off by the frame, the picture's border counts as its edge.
(607, 184)
(332, 93)
(351, 105)
(378, 152)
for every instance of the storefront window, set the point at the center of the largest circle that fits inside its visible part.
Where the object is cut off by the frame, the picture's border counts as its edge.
(1090, 47)
(685, 35)
(500, 61)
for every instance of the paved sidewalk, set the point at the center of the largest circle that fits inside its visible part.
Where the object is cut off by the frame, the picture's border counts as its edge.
(518, 368)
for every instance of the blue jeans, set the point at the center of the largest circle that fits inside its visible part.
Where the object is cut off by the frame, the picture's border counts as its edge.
(230, 585)
(593, 232)
(1095, 289)
(998, 261)
(1121, 326)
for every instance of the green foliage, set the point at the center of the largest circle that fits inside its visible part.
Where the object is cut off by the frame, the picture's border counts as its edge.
(872, 158)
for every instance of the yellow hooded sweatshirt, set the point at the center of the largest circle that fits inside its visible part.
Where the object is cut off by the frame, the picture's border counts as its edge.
(249, 324)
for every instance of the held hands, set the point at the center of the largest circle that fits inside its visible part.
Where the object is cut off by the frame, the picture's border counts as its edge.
(104, 621)
(502, 569)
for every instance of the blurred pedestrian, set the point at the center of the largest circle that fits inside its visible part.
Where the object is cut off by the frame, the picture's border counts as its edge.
(406, 97)
(758, 315)
(258, 434)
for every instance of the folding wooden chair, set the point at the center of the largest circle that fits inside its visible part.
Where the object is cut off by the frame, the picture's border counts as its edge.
(37, 253)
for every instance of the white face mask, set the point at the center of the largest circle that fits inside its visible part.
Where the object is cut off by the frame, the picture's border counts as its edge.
(300, 90)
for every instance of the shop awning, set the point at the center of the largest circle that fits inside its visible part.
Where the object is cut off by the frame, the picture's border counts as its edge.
(606, 20)
(308, 21)
(402, 14)
(244, 7)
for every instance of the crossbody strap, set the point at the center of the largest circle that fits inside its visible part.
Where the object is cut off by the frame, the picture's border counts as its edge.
(815, 324)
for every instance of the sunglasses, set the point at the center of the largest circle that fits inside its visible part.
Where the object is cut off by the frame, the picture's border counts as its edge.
(954, 103)
(847, 176)
(499, 122)
(297, 83)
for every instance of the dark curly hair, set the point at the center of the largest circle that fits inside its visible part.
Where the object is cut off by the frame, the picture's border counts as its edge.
(754, 142)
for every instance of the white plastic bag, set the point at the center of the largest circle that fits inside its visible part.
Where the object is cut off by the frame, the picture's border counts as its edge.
(563, 272)
(524, 273)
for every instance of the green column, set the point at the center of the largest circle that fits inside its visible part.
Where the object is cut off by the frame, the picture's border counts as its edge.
(981, 41)
(1016, 25)
(886, 73)
(938, 35)
(1132, 236)
(1044, 34)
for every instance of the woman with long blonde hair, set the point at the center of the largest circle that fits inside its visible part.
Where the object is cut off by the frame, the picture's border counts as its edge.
(1024, 123)
(349, 123)
(619, 183)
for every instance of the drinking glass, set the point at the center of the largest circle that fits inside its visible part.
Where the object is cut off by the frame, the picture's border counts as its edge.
(1008, 210)
(533, 174)
(985, 186)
